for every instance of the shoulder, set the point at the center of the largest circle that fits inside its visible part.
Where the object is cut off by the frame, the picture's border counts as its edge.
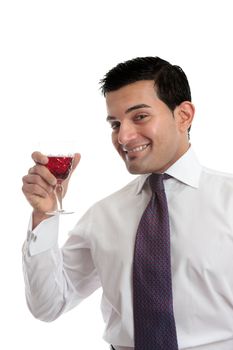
(114, 204)
(130, 190)
(117, 200)
(217, 174)
(217, 179)
(105, 212)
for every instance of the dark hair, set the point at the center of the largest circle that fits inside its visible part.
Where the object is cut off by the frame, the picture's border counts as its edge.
(171, 83)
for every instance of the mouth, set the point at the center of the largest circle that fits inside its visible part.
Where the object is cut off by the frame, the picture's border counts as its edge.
(135, 150)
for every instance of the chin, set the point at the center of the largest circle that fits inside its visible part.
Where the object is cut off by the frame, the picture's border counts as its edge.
(136, 170)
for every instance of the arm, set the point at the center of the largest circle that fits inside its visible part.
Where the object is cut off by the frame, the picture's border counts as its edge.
(55, 279)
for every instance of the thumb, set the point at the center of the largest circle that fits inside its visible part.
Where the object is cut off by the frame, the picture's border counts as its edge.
(76, 160)
(77, 157)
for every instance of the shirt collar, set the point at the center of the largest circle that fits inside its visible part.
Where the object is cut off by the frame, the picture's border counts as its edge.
(186, 169)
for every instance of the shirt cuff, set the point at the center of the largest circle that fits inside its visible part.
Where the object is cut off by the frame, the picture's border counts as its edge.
(43, 237)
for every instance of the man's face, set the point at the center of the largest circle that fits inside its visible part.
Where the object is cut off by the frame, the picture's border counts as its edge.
(145, 132)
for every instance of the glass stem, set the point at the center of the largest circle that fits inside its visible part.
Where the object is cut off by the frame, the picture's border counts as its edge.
(59, 193)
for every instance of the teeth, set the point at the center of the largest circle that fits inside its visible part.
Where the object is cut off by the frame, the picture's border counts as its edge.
(137, 149)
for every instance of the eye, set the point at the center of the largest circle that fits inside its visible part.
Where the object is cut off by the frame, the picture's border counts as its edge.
(140, 117)
(115, 125)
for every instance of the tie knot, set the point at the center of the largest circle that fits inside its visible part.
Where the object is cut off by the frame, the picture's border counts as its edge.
(156, 181)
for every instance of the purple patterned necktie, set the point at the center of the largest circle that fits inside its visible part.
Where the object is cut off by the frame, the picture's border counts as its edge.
(154, 323)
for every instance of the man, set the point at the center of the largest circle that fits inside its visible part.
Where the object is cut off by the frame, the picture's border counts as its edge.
(150, 112)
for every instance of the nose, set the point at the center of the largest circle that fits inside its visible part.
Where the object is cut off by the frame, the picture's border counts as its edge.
(127, 133)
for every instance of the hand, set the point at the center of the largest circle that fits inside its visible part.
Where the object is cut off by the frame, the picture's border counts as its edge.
(39, 184)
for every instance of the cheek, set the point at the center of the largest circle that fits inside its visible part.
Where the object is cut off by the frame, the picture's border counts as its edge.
(163, 134)
(155, 132)
(115, 140)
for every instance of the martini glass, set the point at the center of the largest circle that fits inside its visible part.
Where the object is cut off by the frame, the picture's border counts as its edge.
(60, 160)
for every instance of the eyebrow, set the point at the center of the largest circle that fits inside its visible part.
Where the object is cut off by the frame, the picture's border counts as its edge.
(130, 109)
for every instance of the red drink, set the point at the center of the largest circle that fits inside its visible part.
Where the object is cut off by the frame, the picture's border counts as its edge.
(60, 166)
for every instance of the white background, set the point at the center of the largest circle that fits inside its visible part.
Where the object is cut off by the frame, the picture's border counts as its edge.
(52, 55)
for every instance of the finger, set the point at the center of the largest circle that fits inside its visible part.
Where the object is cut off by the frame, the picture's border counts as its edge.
(31, 190)
(37, 180)
(76, 161)
(44, 173)
(39, 158)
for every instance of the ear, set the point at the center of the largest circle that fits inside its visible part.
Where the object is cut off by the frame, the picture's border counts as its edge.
(184, 114)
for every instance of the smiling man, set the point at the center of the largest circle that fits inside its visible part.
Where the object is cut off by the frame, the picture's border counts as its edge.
(149, 136)
(161, 247)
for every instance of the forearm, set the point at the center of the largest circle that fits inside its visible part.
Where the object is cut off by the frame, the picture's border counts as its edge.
(43, 285)
(46, 286)
(56, 280)
(38, 217)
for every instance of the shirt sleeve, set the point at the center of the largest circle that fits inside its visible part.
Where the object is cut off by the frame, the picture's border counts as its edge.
(57, 279)
(43, 237)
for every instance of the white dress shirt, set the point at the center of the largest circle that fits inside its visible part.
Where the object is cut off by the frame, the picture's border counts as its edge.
(99, 252)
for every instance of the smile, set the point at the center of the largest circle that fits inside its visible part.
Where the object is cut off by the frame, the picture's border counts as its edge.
(136, 149)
